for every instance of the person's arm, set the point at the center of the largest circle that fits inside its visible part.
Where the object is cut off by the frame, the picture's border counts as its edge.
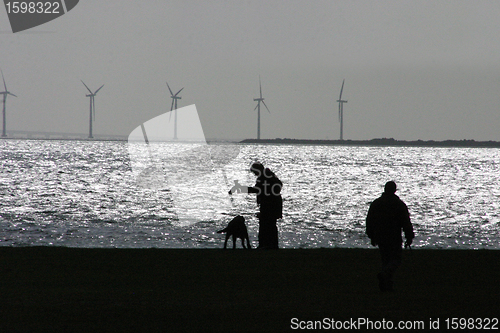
(370, 228)
(250, 189)
(238, 188)
(407, 226)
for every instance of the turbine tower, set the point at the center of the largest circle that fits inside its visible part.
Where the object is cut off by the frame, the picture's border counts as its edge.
(173, 107)
(341, 112)
(92, 106)
(5, 93)
(259, 100)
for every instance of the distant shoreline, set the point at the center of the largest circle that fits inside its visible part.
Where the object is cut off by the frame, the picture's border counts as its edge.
(381, 142)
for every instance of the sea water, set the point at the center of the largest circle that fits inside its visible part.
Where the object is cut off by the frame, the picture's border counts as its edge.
(90, 194)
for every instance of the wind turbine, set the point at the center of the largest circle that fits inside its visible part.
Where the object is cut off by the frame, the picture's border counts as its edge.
(258, 100)
(5, 93)
(92, 106)
(341, 112)
(174, 107)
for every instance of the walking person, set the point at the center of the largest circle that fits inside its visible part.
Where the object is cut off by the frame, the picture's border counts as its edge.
(268, 189)
(387, 216)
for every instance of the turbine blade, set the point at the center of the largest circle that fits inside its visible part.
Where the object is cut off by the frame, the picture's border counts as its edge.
(340, 97)
(11, 94)
(266, 106)
(171, 93)
(179, 91)
(260, 87)
(257, 105)
(98, 89)
(90, 91)
(4, 81)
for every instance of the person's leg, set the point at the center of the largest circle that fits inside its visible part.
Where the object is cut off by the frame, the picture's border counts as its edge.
(273, 234)
(261, 234)
(268, 233)
(391, 260)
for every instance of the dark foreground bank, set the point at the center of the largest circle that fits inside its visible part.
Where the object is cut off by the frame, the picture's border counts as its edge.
(150, 290)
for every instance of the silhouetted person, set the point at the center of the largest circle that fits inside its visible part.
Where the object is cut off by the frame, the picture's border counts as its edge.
(386, 217)
(268, 189)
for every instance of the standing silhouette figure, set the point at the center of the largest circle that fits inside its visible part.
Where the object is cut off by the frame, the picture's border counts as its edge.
(387, 215)
(268, 189)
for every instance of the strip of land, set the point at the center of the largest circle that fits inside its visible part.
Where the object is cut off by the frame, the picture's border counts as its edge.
(381, 142)
(55, 289)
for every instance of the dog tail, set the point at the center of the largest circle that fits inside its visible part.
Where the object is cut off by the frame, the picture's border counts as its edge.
(221, 231)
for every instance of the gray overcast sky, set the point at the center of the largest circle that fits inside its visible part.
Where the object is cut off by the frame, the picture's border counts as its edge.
(414, 69)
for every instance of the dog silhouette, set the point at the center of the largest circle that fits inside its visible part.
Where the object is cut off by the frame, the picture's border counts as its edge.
(237, 229)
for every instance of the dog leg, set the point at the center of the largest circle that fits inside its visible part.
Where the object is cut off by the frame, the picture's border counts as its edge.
(225, 242)
(243, 243)
(234, 242)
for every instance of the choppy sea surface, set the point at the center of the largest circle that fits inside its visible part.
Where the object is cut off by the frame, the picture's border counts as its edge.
(105, 194)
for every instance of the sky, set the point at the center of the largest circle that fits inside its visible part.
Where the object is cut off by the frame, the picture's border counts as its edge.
(426, 70)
